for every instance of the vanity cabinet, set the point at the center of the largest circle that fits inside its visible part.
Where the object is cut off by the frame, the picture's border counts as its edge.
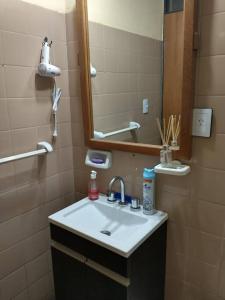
(84, 270)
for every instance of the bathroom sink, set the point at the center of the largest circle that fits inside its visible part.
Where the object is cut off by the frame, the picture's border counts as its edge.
(116, 228)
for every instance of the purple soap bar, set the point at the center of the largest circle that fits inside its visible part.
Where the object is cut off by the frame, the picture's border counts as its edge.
(98, 161)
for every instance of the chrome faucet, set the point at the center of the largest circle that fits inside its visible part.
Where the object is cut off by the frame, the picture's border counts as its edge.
(111, 197)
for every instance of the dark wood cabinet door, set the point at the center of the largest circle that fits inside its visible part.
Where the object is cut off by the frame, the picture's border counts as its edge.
(69, 277)
(100, 287)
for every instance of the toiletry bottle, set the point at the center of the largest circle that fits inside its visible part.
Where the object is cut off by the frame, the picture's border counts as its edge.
(149, 192)
(93, 193)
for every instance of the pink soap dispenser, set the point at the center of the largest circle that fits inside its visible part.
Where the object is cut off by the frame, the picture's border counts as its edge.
(93, 193)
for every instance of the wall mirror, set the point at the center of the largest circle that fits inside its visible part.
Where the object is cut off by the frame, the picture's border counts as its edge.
(137, 63)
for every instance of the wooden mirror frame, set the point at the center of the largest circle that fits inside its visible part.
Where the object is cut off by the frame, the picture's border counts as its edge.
(178, 87)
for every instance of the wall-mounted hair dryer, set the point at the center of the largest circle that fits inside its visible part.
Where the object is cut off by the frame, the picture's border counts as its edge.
(45, 68)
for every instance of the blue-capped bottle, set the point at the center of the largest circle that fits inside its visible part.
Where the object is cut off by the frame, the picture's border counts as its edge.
(149, 192)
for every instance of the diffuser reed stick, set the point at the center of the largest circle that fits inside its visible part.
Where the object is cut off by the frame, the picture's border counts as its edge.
(169, 131)
(162, 134)
(175, 130)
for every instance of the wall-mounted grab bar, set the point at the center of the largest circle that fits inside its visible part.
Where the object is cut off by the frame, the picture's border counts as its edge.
(43, 147)
(101, 135)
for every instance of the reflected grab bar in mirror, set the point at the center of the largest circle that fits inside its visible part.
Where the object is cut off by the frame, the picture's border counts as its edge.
(101, 135)
(43, 147)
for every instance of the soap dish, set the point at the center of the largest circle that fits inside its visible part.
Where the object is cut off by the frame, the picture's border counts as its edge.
(176, 169)
(98, 159)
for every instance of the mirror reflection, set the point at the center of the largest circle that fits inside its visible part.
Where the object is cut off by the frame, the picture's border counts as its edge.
(126, 55)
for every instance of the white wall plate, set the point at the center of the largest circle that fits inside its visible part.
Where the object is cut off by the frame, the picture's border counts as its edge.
(177, 170)
(202, 120)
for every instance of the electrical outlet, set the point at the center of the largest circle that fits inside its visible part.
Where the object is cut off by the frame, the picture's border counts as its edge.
(201, 124)
(145, 109)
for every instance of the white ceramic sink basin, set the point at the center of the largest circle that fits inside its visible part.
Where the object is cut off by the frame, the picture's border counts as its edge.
(93, 220)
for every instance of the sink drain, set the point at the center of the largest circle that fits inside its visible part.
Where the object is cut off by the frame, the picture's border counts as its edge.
(106, 232)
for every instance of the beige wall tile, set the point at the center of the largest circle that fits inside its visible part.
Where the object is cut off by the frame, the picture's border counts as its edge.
(212, 32)
(22, 113)
(23, 226)
(54, 206)
(5, 143)
(176, 238)
(74, 83)
(207, 217)
(72, 26)
(12, 259)
(4, 116)
(113, 38)
(20, 82)
(205, 191)
(41, 289)
(205, 247)
(22, 296)
(58, 26)
(64, 110)
(13, 284)
(67, 182)
(28, 49)
(221, 280)
(79, 154)
(7, 177)
(207, 153)
(10, 232)
(2, 83)
(36, 245)
(210, 74)
(65, 159)
(52, 186)
(175, 205)
(1, 46)
(203, 275)
(48, 165)
(14, 18)
(97, 58)
(95, 35)
(210, 7)
(24, 140)
(44, 133)
(27, 170)
(60, 55)
(174, 289)
(64, 135)
(73, 52)
(17, 202)
(38, 268)
(43, 85)
(76, 110)
(77, 134)
(175, 265)
(110, 60)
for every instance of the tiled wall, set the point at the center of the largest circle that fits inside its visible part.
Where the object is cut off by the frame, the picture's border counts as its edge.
(33, 188)
(129, 69)
(30, 190)
(196, 203)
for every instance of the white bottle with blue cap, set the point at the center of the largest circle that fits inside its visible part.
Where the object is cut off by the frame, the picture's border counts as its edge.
(149, 191)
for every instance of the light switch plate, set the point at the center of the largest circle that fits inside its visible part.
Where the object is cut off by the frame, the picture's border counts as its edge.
(145, 106)
(202, 122)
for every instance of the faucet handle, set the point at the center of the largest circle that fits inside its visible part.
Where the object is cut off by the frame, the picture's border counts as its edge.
(111, 197)
(135, 204)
